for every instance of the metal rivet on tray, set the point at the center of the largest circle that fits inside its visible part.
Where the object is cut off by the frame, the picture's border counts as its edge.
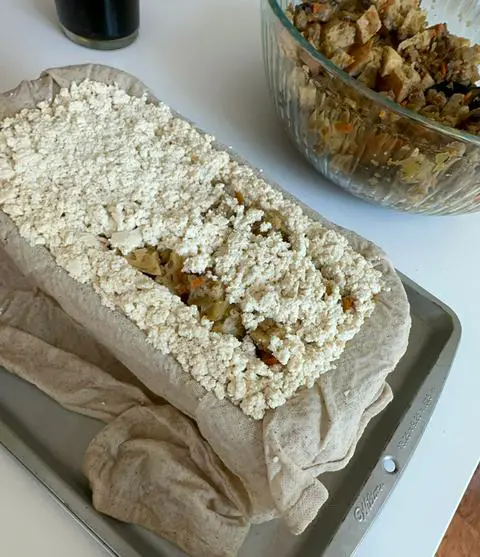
(389, 465)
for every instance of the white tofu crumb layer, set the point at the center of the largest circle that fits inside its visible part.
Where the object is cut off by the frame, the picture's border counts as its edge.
(96, 166)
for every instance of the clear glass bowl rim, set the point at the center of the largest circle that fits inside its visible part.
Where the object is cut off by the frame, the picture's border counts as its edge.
(372, 95)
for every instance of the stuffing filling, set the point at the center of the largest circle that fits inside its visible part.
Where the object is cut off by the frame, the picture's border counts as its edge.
(388, 46)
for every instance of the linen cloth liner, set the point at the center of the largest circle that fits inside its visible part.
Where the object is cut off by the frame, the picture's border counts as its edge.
(224, 469)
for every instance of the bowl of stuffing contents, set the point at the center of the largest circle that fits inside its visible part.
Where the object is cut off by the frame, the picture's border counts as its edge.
(380, 98)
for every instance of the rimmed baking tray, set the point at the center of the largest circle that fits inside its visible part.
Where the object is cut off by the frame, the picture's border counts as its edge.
(50, 442)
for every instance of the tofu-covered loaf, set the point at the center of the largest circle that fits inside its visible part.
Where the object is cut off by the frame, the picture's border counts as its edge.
(251, 296)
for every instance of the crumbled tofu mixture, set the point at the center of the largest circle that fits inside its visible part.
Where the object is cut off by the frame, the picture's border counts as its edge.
(103, 180)
(386, 45)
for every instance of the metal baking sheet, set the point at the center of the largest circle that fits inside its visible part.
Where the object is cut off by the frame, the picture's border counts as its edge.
(50, 442)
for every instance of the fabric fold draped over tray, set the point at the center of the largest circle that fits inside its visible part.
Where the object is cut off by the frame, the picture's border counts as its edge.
(150, 465)
(273, 466)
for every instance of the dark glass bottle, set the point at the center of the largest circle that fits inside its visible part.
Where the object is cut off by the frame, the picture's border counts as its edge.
(103, 24)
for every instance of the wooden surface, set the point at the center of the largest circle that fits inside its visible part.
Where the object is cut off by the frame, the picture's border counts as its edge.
(463, 535)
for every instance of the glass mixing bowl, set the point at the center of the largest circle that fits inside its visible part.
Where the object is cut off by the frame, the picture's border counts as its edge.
(361, 140)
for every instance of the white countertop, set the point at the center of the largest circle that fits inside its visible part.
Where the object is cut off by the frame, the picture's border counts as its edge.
(203, 57)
